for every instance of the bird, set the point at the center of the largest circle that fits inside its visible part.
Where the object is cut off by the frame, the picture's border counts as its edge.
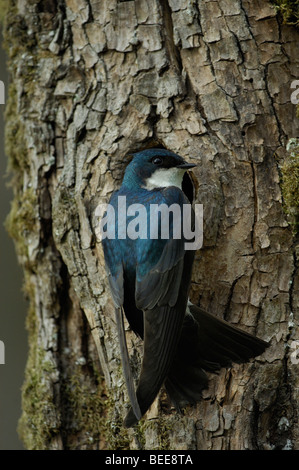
(149, 279)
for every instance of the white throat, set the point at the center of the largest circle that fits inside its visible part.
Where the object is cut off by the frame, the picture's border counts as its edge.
(164, 177)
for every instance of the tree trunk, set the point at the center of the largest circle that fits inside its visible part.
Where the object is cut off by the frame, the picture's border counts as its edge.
(93, 81)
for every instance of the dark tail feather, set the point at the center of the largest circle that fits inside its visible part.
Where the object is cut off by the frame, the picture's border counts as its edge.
(207, 343)
(185, 383)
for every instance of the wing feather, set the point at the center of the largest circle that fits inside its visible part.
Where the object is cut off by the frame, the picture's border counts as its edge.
(160, 285)
(126, 362)
(163, 325)
(116, 284)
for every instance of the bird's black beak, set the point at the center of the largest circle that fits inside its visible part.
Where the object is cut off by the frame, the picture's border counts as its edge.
(186, 166)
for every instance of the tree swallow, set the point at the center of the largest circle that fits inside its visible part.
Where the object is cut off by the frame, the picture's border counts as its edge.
(149, 278)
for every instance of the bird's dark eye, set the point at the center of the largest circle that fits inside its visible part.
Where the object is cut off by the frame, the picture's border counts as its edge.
(157, 160)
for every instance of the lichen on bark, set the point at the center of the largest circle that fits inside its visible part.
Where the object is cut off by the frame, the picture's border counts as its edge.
(47, 395)
(290, 183)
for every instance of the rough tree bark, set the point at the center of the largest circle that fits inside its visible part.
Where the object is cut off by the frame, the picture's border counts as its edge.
(93, 81)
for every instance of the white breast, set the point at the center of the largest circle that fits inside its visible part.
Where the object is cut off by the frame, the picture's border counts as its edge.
(164, 177)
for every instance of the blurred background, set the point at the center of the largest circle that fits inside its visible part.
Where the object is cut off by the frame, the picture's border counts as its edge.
(13, 306)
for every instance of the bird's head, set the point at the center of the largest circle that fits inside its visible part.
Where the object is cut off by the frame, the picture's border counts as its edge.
(155, 168)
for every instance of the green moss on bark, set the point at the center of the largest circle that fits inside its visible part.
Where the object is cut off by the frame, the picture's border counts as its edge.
(84, 404)
(39, 417)
(290, 183)
(22, 220)
(289, 11)
(160, 427)
(117, 436)
(3, 9)
(39, 420)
